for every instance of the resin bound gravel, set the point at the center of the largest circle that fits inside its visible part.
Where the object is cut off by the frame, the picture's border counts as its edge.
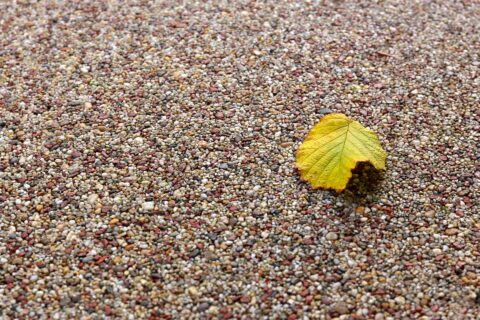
(147, 160)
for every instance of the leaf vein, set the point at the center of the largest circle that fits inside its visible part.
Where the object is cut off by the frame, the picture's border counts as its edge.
(321, 157)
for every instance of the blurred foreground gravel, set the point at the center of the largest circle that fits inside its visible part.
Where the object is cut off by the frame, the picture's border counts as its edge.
(147, 149)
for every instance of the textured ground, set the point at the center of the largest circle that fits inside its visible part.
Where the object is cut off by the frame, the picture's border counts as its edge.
(146, 160)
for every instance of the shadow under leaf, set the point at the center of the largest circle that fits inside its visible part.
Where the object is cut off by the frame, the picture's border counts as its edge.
(364, 181)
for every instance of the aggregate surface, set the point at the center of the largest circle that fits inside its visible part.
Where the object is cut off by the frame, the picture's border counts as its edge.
(147, 160)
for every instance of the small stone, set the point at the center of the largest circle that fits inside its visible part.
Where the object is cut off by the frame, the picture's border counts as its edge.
(203, 306)
(430, 214)
(451, 231)
(436, 251)
(379, 316)
(65, 301)
(325, 111)
(76, 154)
(148, 206)
(177, 194)
(331, 236)
(75, 103)
(213, 310)
(360, 210)
(400, 300)
(194, 253)
(114, 221)
(193, 292)
(286, 144)
(156, 276)
(138, 141)
(92, 198)
(340, 308)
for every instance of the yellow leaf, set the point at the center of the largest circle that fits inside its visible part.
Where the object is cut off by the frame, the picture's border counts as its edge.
(333, 148)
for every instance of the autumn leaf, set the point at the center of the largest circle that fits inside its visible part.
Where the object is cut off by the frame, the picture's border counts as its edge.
(332, 150)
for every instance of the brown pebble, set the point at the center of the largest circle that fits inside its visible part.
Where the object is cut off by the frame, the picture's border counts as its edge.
(360, 210)
(451, 231)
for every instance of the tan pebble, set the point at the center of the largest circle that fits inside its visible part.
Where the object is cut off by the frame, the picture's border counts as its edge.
(360, 210)
(430, 214)
(193, 292)
(39, 207)
(114, 221)
(117, 260)
(286, 144)
(92, 198)
(451, 231)
(379, 316)
(424, 301)
(400, 300)
(129, 247)
(213, 310)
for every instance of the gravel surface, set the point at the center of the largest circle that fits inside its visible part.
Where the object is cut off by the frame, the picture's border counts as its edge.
(147, 149)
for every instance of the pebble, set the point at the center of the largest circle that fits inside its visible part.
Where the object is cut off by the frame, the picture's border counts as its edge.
(192, 291)
(138, 141)
(203, 307)
(400, 300)
(325, 111)
(331, 236)
(430, 214)
(92, 199)
(340, 308)
(451, 231)
(148, 206)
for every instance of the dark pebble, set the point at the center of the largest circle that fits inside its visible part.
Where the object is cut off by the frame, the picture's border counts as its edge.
(194, 253)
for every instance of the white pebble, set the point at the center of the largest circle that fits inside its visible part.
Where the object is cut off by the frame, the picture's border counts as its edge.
(400, 300)
(138, 141)
(332, 236)
(148, 206)
(92, 198)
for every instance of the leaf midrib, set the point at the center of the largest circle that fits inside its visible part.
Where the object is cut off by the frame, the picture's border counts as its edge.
(341, 152)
